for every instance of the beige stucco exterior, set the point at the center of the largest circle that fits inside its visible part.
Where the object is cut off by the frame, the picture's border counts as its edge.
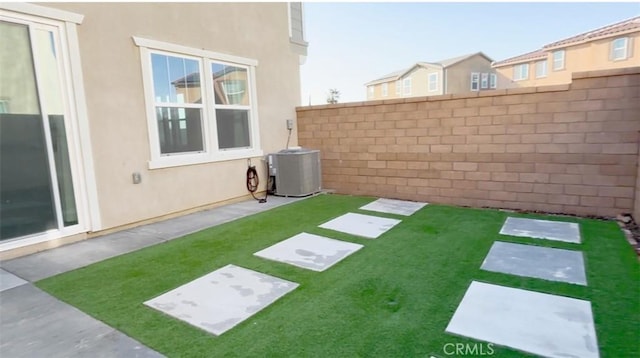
(115, 99)
(587, 56)
(455, 78)
(459, 75)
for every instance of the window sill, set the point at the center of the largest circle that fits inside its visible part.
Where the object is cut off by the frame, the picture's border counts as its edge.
(203, 158)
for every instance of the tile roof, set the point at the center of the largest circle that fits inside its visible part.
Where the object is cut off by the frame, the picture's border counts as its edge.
(610, 30)
(626, 26)
(533, 55)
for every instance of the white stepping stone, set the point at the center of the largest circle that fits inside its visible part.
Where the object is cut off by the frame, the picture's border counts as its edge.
(9, 280)
(542, 229)
(533, 322)
(361, 225)
(309, 251)
(538, 262)
(218, 301)
(392, 206)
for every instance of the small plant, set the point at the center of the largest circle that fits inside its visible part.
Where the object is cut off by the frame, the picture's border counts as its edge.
(333, 96)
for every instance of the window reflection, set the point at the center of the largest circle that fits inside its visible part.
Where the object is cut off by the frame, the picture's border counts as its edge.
(230, 84)
(176, 79)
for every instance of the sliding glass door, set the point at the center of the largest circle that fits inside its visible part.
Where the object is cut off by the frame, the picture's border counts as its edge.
(36, 183)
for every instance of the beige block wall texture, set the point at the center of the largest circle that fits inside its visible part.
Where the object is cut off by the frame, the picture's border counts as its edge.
(567, 148)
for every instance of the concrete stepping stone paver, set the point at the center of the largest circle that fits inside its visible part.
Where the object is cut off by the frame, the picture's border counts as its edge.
(533, 322)
(9, 280)
(392, 206)
(542, 229)
(367, 226)
(309, 251)
(218, 301)
(535, 261)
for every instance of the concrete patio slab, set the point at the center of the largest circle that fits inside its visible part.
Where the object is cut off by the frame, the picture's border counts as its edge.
(55, 261)
(218, 301)
(367, 226)
(309, 251)
(35, 324)
(542, 229)
(538, 262)
(9, 280)
(533, 322)
(392, 206)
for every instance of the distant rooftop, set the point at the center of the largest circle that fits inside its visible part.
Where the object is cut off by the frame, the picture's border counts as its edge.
(533, 55)
(622, 27)
(606, 31)
(442, 64)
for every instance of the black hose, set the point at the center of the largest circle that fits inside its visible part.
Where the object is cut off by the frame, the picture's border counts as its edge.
(252, 183)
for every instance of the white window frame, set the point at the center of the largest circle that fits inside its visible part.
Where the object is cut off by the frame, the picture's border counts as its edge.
(625, 49)
(521, 72)
(558, 60)
(406, 86)
(63, 24)
(304, 26)
(484, 80)
(541, 65)
(399, 87)
(493, 80)
(432, 85)
(211, 153)
(370, 91)
(385, 89)
(475, 80)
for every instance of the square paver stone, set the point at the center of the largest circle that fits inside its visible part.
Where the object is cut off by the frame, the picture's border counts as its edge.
(9, 280)
(533, 322)
(218, 301)
(309, 251)
(392, 206)
(361, 225)
(542, 229)
(538, 262)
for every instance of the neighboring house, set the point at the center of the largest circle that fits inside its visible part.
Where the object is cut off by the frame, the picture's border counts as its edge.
(116, 114)
(455, 75)
(608, 47)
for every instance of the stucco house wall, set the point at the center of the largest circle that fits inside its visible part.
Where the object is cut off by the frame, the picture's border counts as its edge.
(111, 64)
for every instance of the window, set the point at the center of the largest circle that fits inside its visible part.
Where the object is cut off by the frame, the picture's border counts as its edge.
(178, 103)
(493, 80)
(619, 49)
(484, 81)
(558, 60)
(433, 82)
(399, 87)
(541, 69)
(521, 72)
(385, 89)
(296, 22)
(200, 104)
(475, 79)
(370, 90)
(406, 85)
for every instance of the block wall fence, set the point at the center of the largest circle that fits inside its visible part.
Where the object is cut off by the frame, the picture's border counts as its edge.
(565, 149)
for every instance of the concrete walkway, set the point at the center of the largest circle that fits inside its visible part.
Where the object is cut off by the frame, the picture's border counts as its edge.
(36, 324)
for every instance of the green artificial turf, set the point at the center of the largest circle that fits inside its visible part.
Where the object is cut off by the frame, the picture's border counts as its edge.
(393, 298)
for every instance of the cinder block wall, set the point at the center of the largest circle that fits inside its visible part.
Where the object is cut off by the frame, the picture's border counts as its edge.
(567, 149)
